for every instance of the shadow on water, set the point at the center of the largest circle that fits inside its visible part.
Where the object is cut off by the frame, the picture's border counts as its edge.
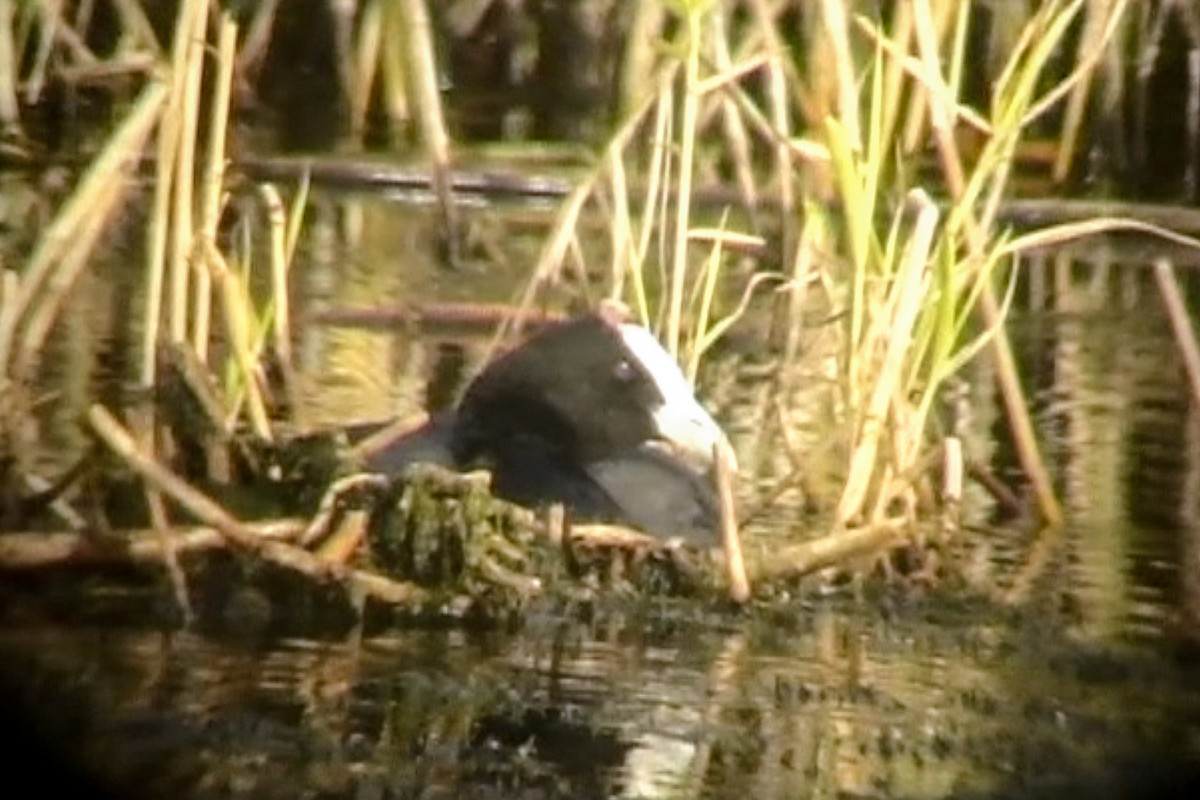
(1052, 673)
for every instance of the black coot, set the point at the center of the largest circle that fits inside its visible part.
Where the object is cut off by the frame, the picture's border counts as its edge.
(591, 413)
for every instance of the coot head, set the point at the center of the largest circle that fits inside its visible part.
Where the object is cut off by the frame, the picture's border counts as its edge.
(588, 389)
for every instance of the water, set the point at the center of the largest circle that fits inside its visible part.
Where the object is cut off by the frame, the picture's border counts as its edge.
(1054, 672)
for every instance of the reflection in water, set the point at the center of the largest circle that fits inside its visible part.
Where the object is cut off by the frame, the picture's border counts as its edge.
(924, 704)
(1115, 413)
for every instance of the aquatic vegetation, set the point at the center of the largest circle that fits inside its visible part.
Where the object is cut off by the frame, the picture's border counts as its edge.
(913, 283)
(824, 130)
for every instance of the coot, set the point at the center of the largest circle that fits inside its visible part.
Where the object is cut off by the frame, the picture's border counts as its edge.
(592, 413)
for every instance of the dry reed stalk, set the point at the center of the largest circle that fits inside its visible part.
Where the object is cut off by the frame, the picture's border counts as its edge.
(708, 290)
(737, 138)
(257, 38)
(295, 217)
(427, 98)
(394, 71)
(180, 245)
(953, 472)
(939, 99)
(735, 565)
(136, 25)
(1094, 44)
(277, 224)
(233, 305)
(44, 279)
(815, 236)
(913, 136)
(683, 197)
(212, 186)
(159, 230)
(894, 335)
(10, 111)
(835, 548)
(35, 77)
(58, 285)
(901, 30)
(781, 124)
(364, 65)
(654, 201)
(834, 14)
(10, 286)
(637, 65)
(66, 34)
(1017, 412)
(620, 228)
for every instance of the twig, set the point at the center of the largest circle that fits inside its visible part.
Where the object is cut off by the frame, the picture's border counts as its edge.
(322, 523)
(379, 440)
(33, 550)
(735, 565)
(802, 559)
(419, 49)
(1005, 497)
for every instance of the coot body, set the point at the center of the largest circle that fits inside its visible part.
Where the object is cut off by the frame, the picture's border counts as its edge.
(591, 413)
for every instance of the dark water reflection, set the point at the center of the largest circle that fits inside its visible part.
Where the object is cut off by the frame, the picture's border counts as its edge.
(1054, 674)
(918, 702)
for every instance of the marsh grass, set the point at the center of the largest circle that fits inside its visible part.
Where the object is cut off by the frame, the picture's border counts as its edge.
(185, 261)
(921, 297)
(669, 270)
(33, 298)
(920, 287)
(189, 277)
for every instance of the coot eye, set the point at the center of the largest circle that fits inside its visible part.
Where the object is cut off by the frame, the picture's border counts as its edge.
(623, 371)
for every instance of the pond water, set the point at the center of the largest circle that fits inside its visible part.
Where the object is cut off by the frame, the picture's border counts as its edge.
(1054, 672)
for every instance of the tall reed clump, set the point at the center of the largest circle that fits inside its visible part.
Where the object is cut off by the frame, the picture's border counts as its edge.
(922, 293)
(187, 271)
(186, 266)
(33, 296)
(663, 265)
(921, 286)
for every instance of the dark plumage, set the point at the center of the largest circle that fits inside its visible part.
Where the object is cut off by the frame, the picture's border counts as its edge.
(591, 413)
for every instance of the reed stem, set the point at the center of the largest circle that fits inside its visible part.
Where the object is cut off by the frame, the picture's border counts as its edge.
(687, 149)
(212, 188)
